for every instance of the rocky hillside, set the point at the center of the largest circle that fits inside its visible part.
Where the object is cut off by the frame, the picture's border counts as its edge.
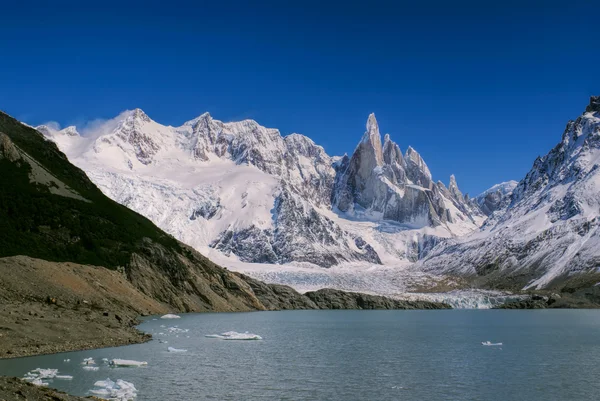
(547, 233)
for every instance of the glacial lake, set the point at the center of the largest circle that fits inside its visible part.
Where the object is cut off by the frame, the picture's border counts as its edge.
(353, 355)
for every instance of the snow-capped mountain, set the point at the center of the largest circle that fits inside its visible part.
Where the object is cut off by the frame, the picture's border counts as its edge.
(241, 192)
(548, 231)
(378, 182)
(497, 197)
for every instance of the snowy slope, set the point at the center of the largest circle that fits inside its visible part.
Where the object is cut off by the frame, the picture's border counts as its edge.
(240, 192)
(549, 229)
(495, 198)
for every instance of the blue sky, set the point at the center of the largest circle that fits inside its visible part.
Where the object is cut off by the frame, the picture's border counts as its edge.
(478, 89)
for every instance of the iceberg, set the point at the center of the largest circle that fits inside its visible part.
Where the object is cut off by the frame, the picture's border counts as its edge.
(171, 349)
(37, 376)
(91, 368)
(88, 361)
(39, 382)
(488, 343)
(170, 316)
(176, 329)
(234, 335)
(126, 363)
(120, 390)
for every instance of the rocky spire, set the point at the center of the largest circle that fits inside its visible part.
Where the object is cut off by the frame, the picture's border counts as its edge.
(416, 169)
(371, 140)
(453, 188)
(391, 152)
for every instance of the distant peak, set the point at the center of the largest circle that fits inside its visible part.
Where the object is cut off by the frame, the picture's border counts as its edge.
(204, 116)
(71, 130)
(138, 114)
(386, 138)
(594, 105)
(452, 180)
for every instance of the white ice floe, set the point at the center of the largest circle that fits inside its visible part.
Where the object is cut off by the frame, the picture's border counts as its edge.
(234, 335)
(170, 316)
(488, 343)
(171, 349)
(91, 368)
(120, 390)
(37, 376)
(176, 330)
(67, 360)
(126, 363)
(39, 382)
(88, 361)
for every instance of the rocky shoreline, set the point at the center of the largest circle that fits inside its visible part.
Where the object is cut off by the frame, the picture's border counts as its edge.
(14, 389)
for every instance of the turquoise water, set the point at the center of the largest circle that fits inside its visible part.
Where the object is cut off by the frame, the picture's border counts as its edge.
(355, 355)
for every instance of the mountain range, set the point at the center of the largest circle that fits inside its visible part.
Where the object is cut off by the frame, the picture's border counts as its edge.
(244, 194)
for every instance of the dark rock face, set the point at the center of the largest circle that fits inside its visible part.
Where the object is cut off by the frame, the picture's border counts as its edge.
(278, 297)
(337, 299)
(594, 105)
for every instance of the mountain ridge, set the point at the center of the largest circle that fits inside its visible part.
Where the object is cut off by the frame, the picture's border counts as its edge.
(299, 188)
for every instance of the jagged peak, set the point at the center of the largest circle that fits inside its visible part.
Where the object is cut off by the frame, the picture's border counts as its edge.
(412, 154)
(594, 105)
(136, 115)
(453, 180)
(372, 139)
(204, 116)
(70, 130)
(372, 125)
(386, 138)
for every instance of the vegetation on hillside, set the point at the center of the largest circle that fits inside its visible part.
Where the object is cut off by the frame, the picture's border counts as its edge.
(37, 223)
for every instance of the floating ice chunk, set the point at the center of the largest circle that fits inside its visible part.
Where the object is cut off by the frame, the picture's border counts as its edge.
(488, 343)
(63, 377)
(120, 390)
(170, 316)
(234, 335)
(90, 368)
(39, 382)
(101, 392)
(88, 361)
(45, 373)
(171, 349)
(67, 360)
(105, 383)
(36, 376)
(126, 363)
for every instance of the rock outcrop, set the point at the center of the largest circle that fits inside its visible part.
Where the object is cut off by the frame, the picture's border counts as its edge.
(336, 299)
